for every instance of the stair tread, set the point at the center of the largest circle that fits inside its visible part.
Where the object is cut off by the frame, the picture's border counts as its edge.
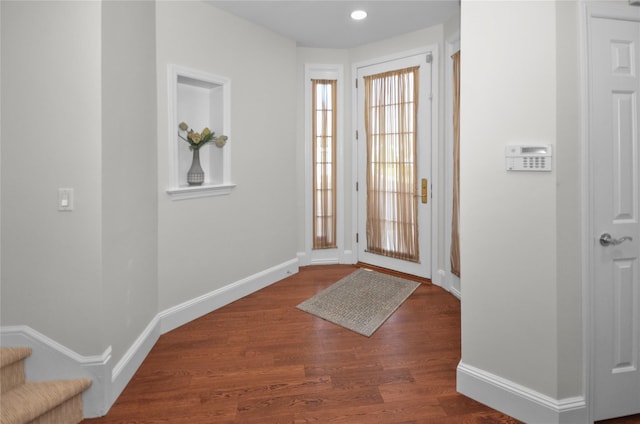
(9, 355)
(32, 399)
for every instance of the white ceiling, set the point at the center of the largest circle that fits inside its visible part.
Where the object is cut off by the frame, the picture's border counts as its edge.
(326, 23)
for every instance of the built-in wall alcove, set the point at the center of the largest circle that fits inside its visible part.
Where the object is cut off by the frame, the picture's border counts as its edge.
(200, 100)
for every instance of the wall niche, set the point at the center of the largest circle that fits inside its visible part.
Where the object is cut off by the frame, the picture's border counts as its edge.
(202, 101)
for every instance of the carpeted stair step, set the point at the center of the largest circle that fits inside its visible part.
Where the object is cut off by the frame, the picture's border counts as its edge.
(44, 402)
(12, 367)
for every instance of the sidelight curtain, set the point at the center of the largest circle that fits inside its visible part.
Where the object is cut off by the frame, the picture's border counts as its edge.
(324, 163)
(455, 235)
(391, 105)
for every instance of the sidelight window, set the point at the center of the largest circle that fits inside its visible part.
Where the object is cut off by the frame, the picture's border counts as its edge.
(323, 100)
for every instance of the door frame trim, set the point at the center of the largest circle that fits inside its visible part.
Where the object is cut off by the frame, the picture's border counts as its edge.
(436, 160)
(338, 254)
(587, 249)
(448, 280)
(589, 12)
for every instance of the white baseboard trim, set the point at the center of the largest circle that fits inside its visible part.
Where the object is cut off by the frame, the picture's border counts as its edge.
(50, 360)
(185, 312)
(348, 257)
(518, 401)
(443, 278)
(325, 261)
(127, 366)
(344, 257)
(456, 293)
(439, 278)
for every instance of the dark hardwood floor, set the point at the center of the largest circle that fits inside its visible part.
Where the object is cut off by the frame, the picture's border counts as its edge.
(261, 360)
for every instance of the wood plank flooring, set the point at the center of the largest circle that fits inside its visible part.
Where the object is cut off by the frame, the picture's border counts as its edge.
(261, 360)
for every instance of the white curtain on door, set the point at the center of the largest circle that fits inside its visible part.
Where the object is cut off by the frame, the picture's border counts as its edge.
(391, 105)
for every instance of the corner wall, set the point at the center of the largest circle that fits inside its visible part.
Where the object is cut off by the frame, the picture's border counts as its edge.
(129, 171)
(521, 322)
(569, 201)
(51, 138)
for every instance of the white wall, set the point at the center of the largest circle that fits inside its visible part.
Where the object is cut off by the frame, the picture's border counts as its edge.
(568, 200)
(79, 112)
(51, 138)
(207, 243)
(401, 43)
(520, 232)
(508, 220)
(129, 171)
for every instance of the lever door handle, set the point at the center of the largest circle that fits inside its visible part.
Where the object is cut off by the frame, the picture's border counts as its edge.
(607, 239)
(424, 191)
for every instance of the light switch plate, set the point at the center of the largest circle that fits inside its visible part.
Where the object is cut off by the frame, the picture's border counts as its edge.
(65, 199)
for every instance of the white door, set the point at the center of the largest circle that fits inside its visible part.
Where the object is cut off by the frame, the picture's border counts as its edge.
(420, 265)
(615, 176)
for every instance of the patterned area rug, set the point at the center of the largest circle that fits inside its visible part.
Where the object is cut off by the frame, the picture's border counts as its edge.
(361, 301)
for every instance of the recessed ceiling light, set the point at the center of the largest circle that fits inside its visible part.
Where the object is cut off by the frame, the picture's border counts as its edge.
(358, 15)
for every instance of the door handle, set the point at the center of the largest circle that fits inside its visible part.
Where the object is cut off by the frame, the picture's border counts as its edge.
(606, 239)
(425, 191)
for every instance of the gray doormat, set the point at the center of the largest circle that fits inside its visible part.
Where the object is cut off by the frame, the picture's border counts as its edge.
(362, 301)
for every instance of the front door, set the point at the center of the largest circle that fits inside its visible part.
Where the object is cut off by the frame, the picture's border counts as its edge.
(394, 181)
(615, 232)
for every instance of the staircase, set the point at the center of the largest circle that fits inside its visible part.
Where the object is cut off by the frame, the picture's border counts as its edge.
(43, 402)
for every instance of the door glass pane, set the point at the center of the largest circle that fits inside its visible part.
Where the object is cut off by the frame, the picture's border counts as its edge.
(324, 176)
(391, 104)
